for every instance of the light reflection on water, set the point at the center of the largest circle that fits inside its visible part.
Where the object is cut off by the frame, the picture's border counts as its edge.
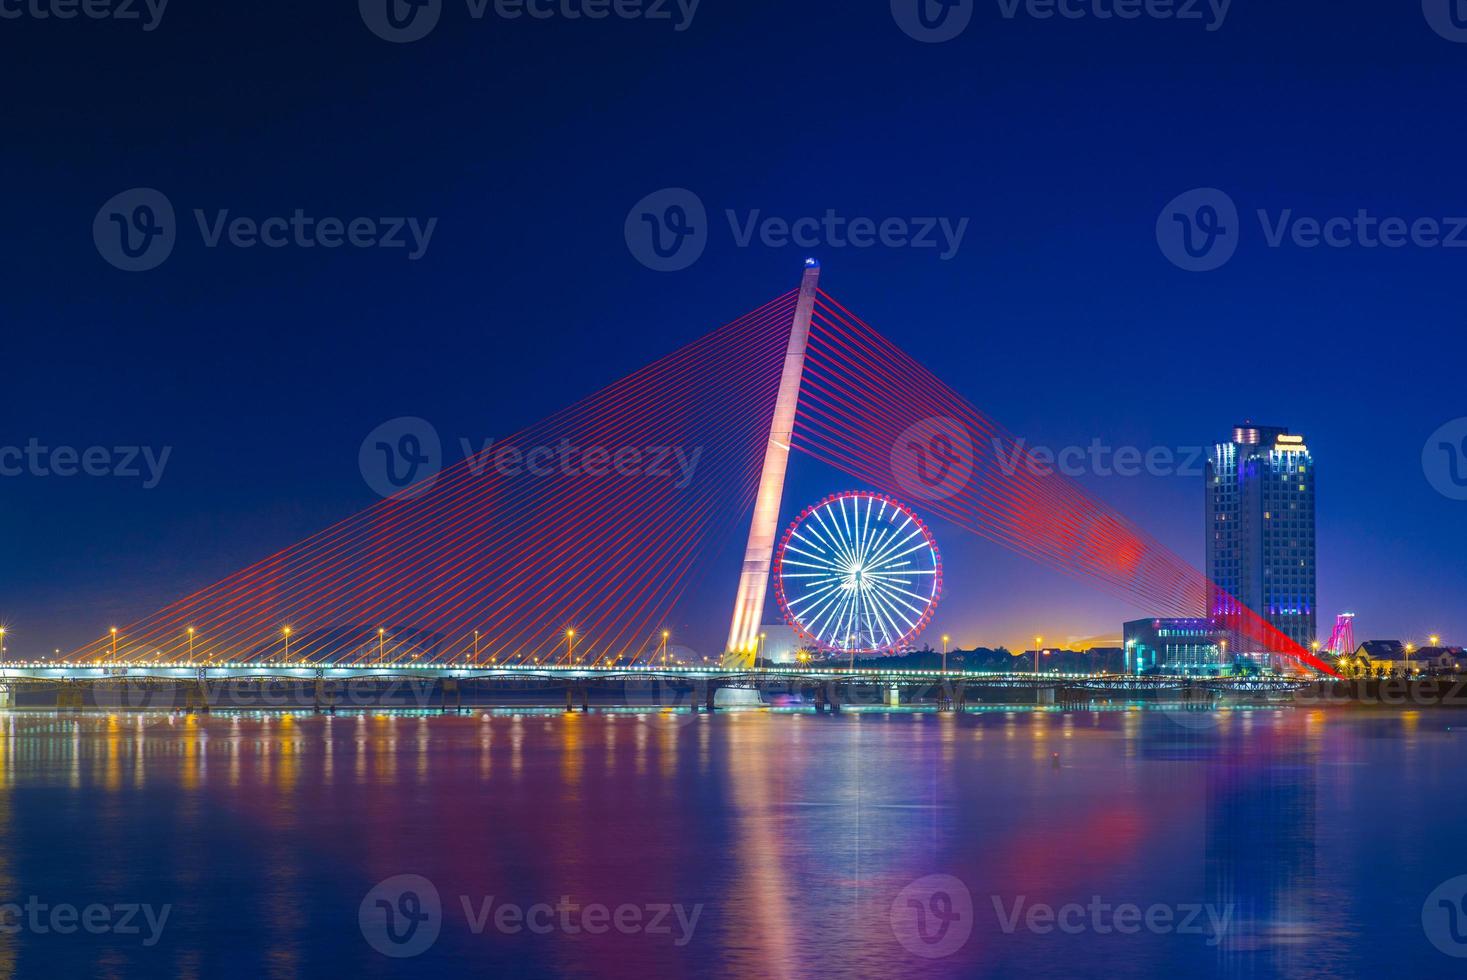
(1320, 831)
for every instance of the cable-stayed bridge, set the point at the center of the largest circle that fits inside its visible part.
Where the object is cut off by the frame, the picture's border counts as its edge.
(568, 545)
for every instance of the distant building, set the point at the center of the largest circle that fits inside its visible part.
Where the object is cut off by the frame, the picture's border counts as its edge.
(1177, 646)
(1393, 655)
(1260, 529)
(1436, 658)
(1106, 659)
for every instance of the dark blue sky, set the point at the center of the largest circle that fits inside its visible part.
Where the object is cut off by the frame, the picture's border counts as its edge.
(1059, 140)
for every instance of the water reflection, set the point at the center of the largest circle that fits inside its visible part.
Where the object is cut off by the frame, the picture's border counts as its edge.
(1321, 831)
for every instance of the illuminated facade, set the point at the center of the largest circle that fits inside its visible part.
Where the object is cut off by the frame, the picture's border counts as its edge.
(1174, 646)
(1261, 529)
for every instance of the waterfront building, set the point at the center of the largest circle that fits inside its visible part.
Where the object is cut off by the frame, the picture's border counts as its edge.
(1174, 646)
(1261, 530)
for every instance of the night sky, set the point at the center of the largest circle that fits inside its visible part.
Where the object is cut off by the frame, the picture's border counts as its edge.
(1059, 140)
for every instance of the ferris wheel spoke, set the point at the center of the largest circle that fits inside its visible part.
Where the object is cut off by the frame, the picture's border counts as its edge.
(835, 609)
(887, 553)
(816, 594)
(893, 587)
(897, 602)
(888, 628)
(842, 552)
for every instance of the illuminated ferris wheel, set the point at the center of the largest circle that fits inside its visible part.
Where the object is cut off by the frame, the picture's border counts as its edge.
(858, 573)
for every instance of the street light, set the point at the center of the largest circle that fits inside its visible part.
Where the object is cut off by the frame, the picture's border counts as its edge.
(381, 645)
(1435, 640)
(190, 644)
(476, 647)
(570, 645)
(286, 631)
(665, 635)
(114, 643)
(944, 652)
(1038, 640)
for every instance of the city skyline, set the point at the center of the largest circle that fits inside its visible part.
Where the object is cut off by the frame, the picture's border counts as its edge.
(255, 419)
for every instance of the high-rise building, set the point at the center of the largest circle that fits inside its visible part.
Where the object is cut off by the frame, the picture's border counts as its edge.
(1260, 529)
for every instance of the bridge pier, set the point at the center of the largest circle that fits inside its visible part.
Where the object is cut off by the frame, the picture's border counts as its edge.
(324, 697)
(7, 697)
(69, 696)
(710, 698)
(452, 692)
(195, 698)
(834, 698)
(893, 697)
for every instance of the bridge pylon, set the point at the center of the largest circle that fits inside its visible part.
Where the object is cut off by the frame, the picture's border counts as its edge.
(748, 613)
